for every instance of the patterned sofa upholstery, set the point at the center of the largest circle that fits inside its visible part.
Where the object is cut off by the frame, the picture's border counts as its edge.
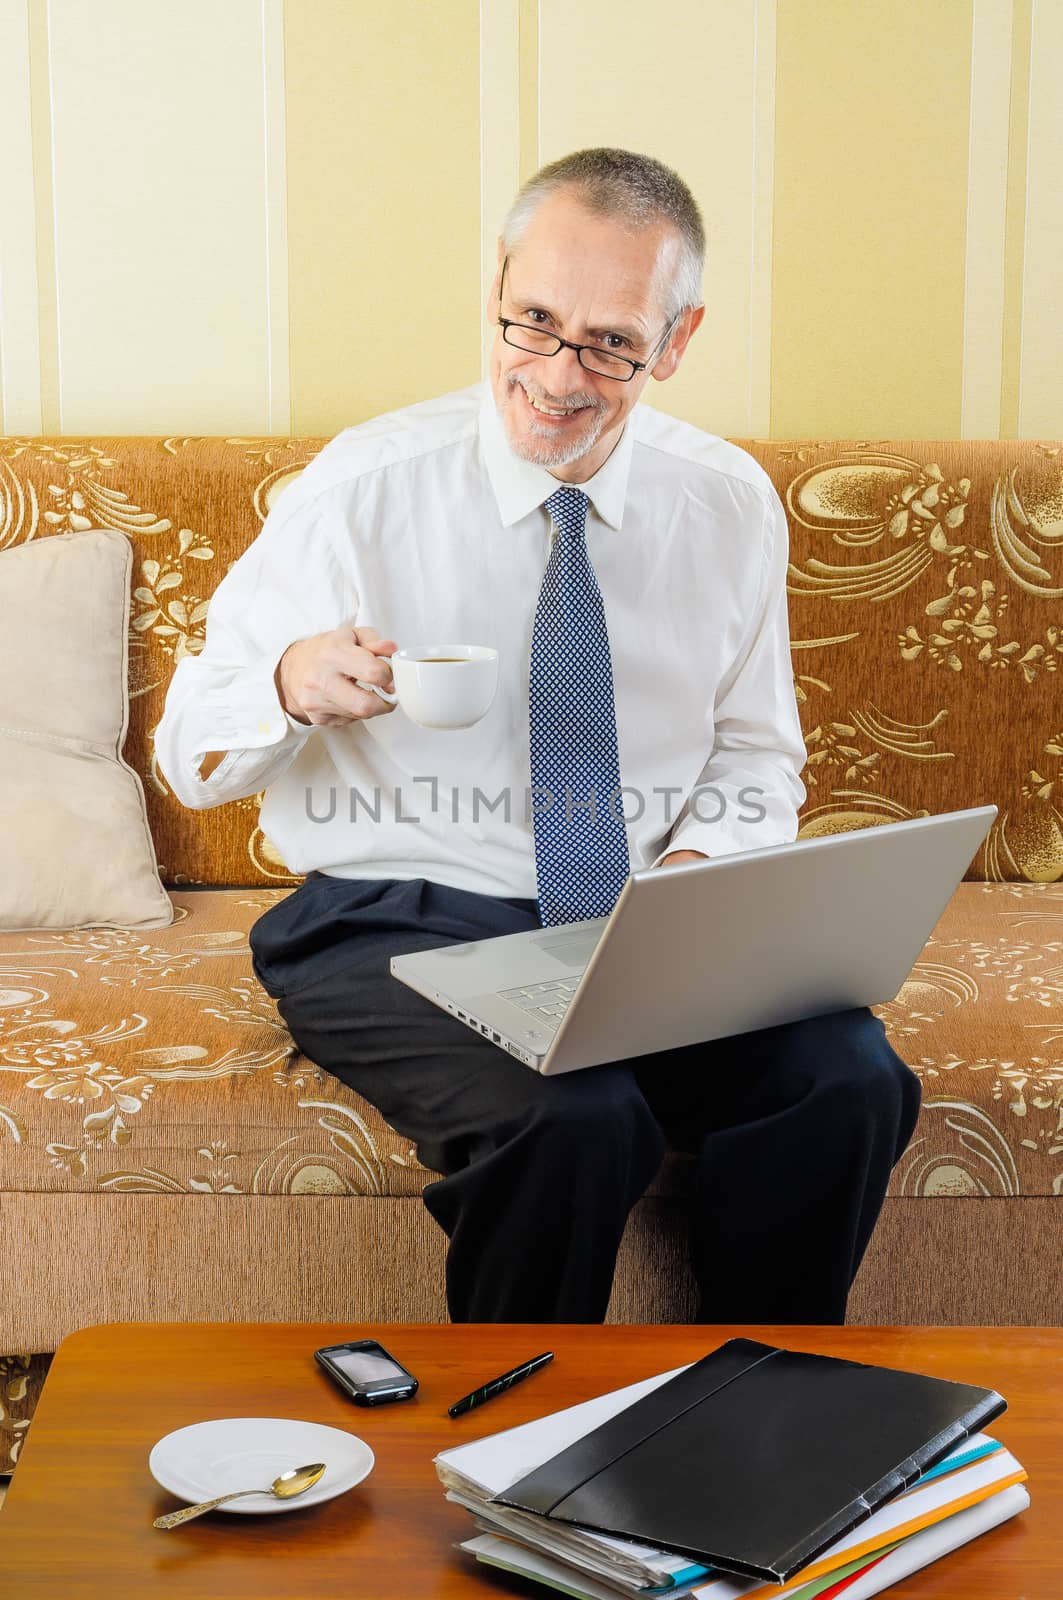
(166, 1153)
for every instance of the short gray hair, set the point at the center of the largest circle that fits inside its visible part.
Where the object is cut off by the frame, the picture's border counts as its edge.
(632, 189)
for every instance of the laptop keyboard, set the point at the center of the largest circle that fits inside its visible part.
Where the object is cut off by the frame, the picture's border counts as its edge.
(547, 1002)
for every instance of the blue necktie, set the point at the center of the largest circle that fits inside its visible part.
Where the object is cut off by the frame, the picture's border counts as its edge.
(581, 855)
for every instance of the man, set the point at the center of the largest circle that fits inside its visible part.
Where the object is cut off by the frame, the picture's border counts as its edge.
(630, 570)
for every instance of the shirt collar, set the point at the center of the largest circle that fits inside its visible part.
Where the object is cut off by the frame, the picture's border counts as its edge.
(520, 486)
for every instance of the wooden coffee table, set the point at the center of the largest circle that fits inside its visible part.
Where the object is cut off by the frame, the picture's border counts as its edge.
(77, 1520)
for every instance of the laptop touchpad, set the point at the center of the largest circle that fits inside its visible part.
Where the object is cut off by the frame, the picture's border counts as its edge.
(574, 952)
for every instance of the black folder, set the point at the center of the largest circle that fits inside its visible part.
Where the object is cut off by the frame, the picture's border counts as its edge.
(755, 1459)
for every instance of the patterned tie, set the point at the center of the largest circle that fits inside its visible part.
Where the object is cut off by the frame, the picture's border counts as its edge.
(581, 856)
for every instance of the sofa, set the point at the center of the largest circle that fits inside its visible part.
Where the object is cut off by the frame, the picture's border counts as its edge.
(166, 1152)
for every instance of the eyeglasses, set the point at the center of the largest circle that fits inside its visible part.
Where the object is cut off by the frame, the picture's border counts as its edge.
(538, 342)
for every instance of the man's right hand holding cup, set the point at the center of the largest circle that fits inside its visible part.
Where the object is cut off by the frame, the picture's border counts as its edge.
(316, 677)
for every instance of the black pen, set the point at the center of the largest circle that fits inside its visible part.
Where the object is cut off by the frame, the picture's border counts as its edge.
(496, 1385)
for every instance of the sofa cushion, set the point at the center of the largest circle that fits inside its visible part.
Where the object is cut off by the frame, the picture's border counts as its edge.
(77, 850)
(157, 1062)
(980, 1020)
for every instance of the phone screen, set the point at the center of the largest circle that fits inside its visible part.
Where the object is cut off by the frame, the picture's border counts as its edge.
(366, 1366)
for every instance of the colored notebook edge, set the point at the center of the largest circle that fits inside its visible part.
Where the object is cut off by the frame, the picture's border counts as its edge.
(863, 1577)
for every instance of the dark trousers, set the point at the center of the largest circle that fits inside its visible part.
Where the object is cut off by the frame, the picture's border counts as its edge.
(795, 1128)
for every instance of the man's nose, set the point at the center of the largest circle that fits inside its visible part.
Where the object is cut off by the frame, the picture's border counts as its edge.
(565, 375)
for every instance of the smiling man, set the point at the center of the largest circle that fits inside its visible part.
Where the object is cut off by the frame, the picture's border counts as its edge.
(569, 265)
(629, 568)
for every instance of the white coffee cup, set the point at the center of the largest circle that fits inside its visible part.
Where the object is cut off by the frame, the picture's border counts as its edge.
(444, 685)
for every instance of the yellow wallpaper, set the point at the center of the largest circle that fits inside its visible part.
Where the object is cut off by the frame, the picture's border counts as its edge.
(871, 124)
(1015, 221)
(157, 252)
(1040, 398)
(242, 219)
(383, 121)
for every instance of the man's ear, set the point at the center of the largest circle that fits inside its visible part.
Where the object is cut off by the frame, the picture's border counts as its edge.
(688, 322)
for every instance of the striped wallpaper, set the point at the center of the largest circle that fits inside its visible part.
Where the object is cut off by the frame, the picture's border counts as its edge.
(256, 216)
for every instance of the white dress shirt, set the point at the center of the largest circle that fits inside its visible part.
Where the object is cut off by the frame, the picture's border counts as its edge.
(425, 525)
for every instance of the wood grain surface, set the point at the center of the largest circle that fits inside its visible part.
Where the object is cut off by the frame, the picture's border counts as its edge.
(78, 1516)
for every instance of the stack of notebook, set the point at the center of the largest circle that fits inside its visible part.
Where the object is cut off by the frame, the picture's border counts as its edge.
(755, 1472)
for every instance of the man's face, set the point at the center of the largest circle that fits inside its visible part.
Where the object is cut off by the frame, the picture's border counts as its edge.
(591, 281)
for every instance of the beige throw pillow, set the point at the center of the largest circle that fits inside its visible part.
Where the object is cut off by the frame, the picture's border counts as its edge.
(75, 847)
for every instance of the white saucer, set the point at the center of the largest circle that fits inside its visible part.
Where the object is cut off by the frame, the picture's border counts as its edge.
(211, 1458)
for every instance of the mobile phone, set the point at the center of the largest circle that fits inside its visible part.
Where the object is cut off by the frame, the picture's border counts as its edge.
(366, 1372)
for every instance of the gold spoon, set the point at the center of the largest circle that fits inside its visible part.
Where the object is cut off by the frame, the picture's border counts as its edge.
(285, 1487)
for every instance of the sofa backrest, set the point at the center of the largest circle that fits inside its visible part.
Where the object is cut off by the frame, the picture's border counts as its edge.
(926, 617)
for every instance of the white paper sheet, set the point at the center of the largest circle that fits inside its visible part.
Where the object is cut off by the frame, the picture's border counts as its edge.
(923, 1548)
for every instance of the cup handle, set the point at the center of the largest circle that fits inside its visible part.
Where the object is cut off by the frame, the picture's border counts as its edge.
(392, 699)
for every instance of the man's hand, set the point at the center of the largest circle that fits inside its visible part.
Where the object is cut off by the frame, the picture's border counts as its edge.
(677, 856)
(315, 677)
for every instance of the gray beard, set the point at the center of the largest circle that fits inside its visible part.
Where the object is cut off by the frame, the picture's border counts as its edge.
(544, 448)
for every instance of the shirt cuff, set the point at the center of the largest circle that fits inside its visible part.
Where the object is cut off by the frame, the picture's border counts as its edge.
(725, 838)
(246, 714)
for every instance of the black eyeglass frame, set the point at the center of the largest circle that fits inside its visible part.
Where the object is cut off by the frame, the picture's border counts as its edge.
(567, 344)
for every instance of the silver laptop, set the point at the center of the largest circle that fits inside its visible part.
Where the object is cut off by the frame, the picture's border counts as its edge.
(706, 949)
